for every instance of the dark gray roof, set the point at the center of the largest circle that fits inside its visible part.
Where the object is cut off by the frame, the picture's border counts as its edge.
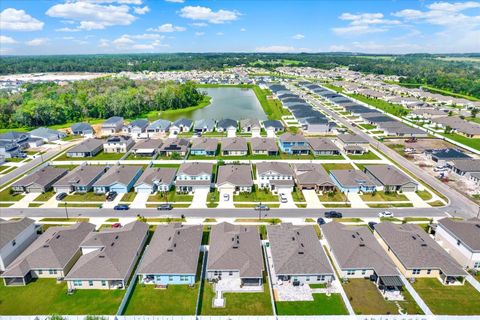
(81, 126)
(281, 168)
(207, 144)
(311, 173)
(234, 144)
(87, 146)
(467, 165)
(112, 120)
(355, 247)
(297, 250)
(416, 250)
(236, 174)
(175, 144)
(119, 139)
(208, 124)
(273, 124)
(80, 176)
(226, 123)
(322, 144)
(141, 123)
(14, 136)
(148, 144)
(388, 175)
(236, 247)
(159, 124)
(41, 177)
(468, 231)
(352, 178)
(183, 122)
(174, 249)
(351, 138)
(153, 175)
(10, 229)
(264, 144)
(116, 251)
(195, 168)
(118, 174)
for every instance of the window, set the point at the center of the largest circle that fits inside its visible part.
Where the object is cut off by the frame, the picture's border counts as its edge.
(364, 272)
(51, 271)
(416, 271)
(170, 278)
(104, 283)
(307, 279)
(459, 242)
(40, 272)
(90, 283)
(230, 273)
(350, 272)
(429, 271)
(77, 283)
(476, 265)
(320, 278)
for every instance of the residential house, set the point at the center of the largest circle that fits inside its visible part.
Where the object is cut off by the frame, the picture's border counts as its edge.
(15, 236)
(250, 126)
(442, 156)
(391, 178)
(297, 255)
(82, 129)
(80, 179)
(194, 175)
(118, 178)
(159, 126)
(460, 126)
(356, 254)
(264, 146)
(51, 255)
(468, 169)
(235, 253)
(417, 255)
(34, 142)
(147, 148)
(39, 181)
(273, 125)
(112, 125)
(172, 255)
(312, 176)
(323, 146)
(108, 257)
(204, 125)
(275, 176)
(17, 138)
(174, 145)
(294, 144)
(353, 181)
(204, 147)
(136, 128)
(236, 177)
(155, 179)
(226, 124)
(461, 239)
(352, 143)
(86, 149)
(118, 144)
(181, 125)
(47, 135)
(234, 147)
(10, 150)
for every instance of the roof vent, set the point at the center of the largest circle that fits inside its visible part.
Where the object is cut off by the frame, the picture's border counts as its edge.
(423, 244)
(362, 244)
(46, 246)
(57, 237)
(102, 256)
(353, 236)
(112, 244)
(116, 237)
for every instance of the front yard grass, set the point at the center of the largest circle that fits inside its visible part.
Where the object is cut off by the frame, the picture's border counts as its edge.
(107, 156)
(89, 196)
(424, 195)
(45, 196)
(256, 196)
(297, 195)
(321, 304)
(448, 300)
(390, 205)
(383, 196)
(171, 196)
(45, 296)
(336, 196)
(366, 299)
(9, 195)
(128, 197)
(366, 156)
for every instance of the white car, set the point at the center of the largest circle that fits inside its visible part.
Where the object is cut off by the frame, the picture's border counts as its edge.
(283, 198)
(226, 197)
(385, 214)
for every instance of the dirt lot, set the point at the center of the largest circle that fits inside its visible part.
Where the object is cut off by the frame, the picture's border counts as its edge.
(422, 144)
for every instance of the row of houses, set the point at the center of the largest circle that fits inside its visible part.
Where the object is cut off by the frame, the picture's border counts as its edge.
(13, 143)
(104, 259)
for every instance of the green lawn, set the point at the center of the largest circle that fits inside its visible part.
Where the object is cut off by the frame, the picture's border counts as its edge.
(128, 197)
(132, 156)
(256, 196)
(366, 156)
(474, 143)
(286, 156)
(8, 195)
(45, 296)
(424, 194)
(297, 195)
(171, 196)
(336, 196)
(366, 299)
(45, 196)
(107, 156)
(383, 196)
(367, 126)
(330, 157)
(390, 205)
(236, 303)
(71, 137)
(321, 305)
(89, 196)
(448, 300)
(336, 166)
(253, 220)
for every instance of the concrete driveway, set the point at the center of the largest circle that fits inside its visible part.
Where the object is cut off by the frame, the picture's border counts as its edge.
(111, 204)
(140, 200)
(226, 204)
(416, 200)
(200, 198)
(356, 201)
(312, 200)
(23, 203)
(288, 194)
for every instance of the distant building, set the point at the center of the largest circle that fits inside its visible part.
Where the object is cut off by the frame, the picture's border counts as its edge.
(112, 125)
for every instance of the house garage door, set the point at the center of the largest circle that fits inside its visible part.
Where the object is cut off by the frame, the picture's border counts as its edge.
(143, 189)
(409, 188)
(119, 189)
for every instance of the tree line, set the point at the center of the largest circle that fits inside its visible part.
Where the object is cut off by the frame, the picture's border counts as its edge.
(49, 103)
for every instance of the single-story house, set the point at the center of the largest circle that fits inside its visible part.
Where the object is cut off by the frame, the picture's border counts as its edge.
(250, 126)
(15, 236)
(10, 149)
(35, 142)
(118, 144)
(204, 125)
(108, 257)
(391, 178)
(14, 137)
(312, 176)
(118, 178)
(86, 149)
(225, 124)
(352, 143)
(264, 146)
(48, 135)
(147, 148)
(174, 145)
(136, 128)
(273, 126)
(204, 147)
(159, 126)
(297, 255)
(172, 255)
(155, 179)
(51, 255)
(194, 175)
(442, 156)
(417, 255)
(353, 181)
(234, 146)
(181, 125)
(82, 129)
(237, 177)
(112, 125)
(41, 180)
(235, 253)
(323, 146)
(275, 176)
(80, 179)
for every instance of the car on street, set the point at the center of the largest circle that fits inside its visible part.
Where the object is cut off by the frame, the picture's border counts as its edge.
(60, 196)
(165, 206)
(321, 221)
(226, 197)
(333, 214)
(111, 195)
(385, 214)
(262, 207)
(121, 207)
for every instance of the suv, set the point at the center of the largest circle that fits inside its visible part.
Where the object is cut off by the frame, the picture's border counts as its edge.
(121, 207)
(320, 221)
(60, 196)
(283, 198)
(385, 214)
(333, 214)
(111, 195)
(262, 207)
(165, 206)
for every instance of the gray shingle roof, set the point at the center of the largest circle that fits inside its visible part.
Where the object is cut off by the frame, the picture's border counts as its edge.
(352, 178)
(322, 144)
(311, 173)
(87, 146)
(236, 247)
(81, 126)
(118, 174)
(416, 250)
(388, 175)
(112, 121)
(264, 144)
(207, 144)
(155, 175)
(467, 165)
(116, 252)
(148, 144)
(174, 249)
(234, 144)
(42, 177)
(291, 137)
(351, 138)
(10, 229)
(80, 176)
(467, 231)
(355, 247)
(238, 175)
(297, 250)
(195, 168)
(281, 168)
(252, 123)
(159, 124)
(273, 124)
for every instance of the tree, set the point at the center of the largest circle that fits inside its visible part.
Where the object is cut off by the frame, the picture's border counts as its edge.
(474, 112)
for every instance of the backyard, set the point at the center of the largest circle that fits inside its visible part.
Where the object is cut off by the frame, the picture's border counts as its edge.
(321, 305)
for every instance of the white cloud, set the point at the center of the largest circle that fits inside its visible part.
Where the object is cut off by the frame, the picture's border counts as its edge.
(220, 33)
(280, 49)
(298, 36)
(175, 1)
(199, 34)
(7, 40)
(93, 16)
(66, 29)
(103, 43)
(136, 2)
(146, 41)
(199, 24)
(243, 29)
(36, 42)
(141, 10)
(167, 27)
(68, 38)
(207, 14)
(364, 23)
(19, 20)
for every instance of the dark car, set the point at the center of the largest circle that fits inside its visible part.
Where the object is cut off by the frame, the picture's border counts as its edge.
(320, 221)
(262, 207)
(165, 206)
(60, 196)
(372, 224)
(121, 207)
(333, 214)
(111, 195)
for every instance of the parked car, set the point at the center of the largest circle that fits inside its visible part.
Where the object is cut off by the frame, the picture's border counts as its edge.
(440, 169)
(283, 198)
(117, 225)
(121, 207)
(165, 206)
(385, 214)
(111, 195)
(321, 221)
(262, 207)
(226, 197)
(372, 224)
(333, 214)
(60, 196)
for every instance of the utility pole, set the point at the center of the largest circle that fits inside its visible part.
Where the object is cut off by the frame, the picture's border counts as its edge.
(66, 210)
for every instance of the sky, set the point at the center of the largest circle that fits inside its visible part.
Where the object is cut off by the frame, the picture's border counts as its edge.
(37, 27)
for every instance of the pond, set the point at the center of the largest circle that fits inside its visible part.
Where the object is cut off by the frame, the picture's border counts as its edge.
(232, 103)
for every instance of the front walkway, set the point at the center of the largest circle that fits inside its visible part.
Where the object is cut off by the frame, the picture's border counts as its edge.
(356, 201)
(312, 200)
(200, 198)
(51, 203)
